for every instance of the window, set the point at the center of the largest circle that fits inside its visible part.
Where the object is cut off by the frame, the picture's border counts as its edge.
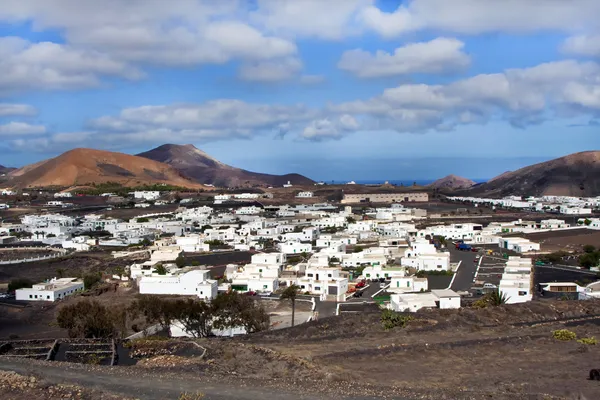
(407, 283)
(302, 287)
(522, 293)
(48, 297)
(260, 270)
(329, 275)
(317, 288)
(264, 286)
(30, 296)
(36, 296)
(368, 275)
(311, 275)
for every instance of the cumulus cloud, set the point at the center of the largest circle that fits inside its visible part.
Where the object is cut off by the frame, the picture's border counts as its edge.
(439, 55)
(330, 128)
(49, 65)
(582, 45)
(271, 71)
(475, 16)
(521, 96)
(7, 109)
(20, 129)
(213, 120)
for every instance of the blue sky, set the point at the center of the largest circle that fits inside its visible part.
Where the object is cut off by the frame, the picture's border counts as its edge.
(337, 89)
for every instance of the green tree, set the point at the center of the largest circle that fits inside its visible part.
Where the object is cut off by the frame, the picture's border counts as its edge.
(195, 316)
(143, 219)
(90, 280)
(86, 319)
(160, 269)
(588, 248)
(587, 222)
(350, 220)
(19, 283)
(358, 249)
(497, 298)
(60, 272)
(589, 260)
(180, 262)
(291, 293)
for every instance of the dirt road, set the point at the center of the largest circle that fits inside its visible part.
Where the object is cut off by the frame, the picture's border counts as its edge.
(119, 380)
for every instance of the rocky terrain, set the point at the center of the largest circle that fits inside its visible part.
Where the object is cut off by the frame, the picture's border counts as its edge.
(5, 170)
(202, 168)
(573, 175)
(504, 352)
(451, 182)
(89, 166)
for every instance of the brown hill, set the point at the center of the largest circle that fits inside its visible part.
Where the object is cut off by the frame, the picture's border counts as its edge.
(85, 166)
(573, 175)
(202, 168)
(452, 182)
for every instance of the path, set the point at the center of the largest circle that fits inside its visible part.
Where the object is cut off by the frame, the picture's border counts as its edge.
(152, 387)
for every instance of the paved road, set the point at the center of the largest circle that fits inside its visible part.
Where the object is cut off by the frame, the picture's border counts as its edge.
(154, 387)
(466, 271)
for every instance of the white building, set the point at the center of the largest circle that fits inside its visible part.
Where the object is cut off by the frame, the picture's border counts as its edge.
(4, 206)
(166, 253)
(7, 192)
(192, 244)
(518, 244)
(54, 290)
(408, 284)
(250, 210)
(516, 282)
(63, 195)
(192, 283)
(146, 195)
(305, 195)
(423, 255)
(413, 302)
(294, 247)
(287, 185)
(324, 281)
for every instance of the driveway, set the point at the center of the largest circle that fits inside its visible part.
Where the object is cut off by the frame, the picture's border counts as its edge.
(466, 271)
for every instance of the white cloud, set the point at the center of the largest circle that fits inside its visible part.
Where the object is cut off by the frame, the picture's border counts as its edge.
(271, 71)
(476, 16)
(330, 19)
(436, 56)
(25, 65)
(213, 120)
(330, 128)
(521, 96)
(7, 109)
(21, 128)
(583, 45)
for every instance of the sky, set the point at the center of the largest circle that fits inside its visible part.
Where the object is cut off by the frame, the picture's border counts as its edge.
(335, 89)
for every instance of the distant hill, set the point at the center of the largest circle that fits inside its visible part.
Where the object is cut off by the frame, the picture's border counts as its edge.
(86, 166)
(202, 168)
(452, 182)
(5, 170)
(573, 175)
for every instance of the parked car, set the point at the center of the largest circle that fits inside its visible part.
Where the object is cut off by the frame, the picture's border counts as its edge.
(489, 286)
(251, 293)
(361, 284)
(383, 285)
(265, 294)
(358, 293)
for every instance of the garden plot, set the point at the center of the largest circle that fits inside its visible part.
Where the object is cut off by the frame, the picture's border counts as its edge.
(95, 352)
(33, 349)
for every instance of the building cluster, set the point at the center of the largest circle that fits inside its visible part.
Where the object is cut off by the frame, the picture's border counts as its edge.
(566, 205)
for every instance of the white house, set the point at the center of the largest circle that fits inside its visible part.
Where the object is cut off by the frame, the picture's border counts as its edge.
(166, 253)
(192, 244)
(408, 284)
(63, 195)
(381, 271)
(305, 195)
(146, 195)
(294, 247)
(192, 283)
(287, 185)
(7, 192)
(54, 290)
(516, 282)
(324, 281)
(518, 244)
(413, 302)
(250, 210)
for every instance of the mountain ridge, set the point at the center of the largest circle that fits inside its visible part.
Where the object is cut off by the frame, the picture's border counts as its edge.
(576, 174)
(451, 182)
(202, 168)
(83, 166)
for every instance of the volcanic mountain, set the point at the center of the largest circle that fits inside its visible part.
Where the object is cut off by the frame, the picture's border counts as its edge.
(87, 166)
(202, 168)
(452, 182)
(577, 174)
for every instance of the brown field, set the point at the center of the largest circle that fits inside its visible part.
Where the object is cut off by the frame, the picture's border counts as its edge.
(571, 240)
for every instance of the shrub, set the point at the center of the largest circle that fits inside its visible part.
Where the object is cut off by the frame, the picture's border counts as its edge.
(90, 280)
(588, 340)
(564, 334)
(391, 319)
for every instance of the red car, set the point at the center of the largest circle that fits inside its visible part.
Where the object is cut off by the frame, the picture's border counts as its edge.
(360, 284)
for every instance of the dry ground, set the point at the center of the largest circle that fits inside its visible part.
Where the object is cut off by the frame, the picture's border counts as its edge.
(572, 240)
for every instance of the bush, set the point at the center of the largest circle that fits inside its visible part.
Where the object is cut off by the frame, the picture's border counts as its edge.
(86, 319)
(391, 319)
(588, 248)
(90, 280)
(588, 340)
(143, 219)
(20, 283)
(564, 335)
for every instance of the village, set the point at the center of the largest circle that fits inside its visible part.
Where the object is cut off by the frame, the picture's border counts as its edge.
(362, 252)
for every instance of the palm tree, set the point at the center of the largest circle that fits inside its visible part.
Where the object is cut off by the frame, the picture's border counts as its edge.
(290, 293)
(497, 298)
